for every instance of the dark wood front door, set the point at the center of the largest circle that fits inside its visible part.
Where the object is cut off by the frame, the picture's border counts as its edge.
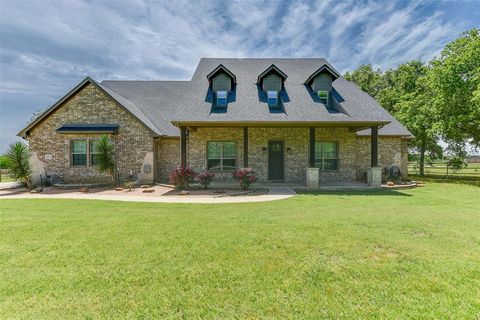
(275, 160)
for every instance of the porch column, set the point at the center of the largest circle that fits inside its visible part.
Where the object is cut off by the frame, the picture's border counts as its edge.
(312, 172)
(374, 147)
(183, 147)
(374, 174)
(245, 147)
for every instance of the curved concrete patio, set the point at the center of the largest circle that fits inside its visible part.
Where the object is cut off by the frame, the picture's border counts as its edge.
(160, 194)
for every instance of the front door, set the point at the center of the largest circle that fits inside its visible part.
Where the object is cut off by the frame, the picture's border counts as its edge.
(275, 160)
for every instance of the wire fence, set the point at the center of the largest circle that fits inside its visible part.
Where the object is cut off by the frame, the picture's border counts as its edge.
(442, 169)
(4, 176)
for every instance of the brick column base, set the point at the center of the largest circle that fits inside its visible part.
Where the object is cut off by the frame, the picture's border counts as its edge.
(312, 177)
(374, 177)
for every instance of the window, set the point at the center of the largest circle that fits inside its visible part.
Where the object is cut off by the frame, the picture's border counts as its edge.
(272, 98)
(323, 96)
(93, 153)
(221, 98)
(326, 155)
(79, 152)
(221, 156)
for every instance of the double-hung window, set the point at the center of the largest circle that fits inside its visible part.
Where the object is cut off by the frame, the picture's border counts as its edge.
(323, 96)
(93, 152)
(326, 155)
(272, 98)
(79, 152)
(221, 155)
(222, 98)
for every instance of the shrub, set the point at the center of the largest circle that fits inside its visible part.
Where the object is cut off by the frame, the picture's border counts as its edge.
(245, 176)
(205, 179)
(105, 153)
(18, 163)
(182, 177)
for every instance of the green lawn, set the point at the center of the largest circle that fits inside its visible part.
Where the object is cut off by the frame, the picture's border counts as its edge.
(361, 255)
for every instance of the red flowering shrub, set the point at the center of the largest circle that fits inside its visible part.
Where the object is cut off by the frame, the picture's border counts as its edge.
(205, 178)
(182, 177)
(245, 176)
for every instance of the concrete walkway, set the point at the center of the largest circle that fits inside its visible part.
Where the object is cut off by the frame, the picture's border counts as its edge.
(274, 193)
(10, 185)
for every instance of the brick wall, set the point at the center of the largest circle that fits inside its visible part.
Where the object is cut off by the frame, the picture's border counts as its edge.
(167, 157)
(197, 148)
(391, 151)
(296, 159)
(90, 105)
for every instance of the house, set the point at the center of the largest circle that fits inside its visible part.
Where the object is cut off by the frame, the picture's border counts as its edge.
(292, 120)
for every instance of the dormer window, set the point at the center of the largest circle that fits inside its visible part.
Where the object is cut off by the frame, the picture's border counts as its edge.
(323, 96)
(222, 98)
(271, 82)
(321, 82)
(221, 82)
(272, 98)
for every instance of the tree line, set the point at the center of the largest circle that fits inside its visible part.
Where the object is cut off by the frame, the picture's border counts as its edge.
(437, 100)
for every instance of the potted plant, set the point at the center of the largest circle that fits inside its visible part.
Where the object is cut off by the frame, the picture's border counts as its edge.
(245, 176)
(182, 177)
(205, 179)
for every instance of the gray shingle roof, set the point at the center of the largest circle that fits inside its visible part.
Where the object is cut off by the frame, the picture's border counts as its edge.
(159, 104)
(164, 102)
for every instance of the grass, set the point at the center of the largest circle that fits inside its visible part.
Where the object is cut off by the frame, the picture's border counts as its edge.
(357, 255)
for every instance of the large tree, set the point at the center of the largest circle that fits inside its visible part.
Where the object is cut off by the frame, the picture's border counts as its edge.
(455, 84)
(404, 92)
(367, 78)
(413, 107)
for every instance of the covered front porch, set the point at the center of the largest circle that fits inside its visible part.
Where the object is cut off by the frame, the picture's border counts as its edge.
(303, 156)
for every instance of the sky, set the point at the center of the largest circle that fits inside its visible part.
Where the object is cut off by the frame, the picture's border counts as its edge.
(47, 47)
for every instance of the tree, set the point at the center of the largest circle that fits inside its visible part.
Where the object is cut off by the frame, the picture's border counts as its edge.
(455, 82)
(413, 106)
(368, 79)
(3, 162)
(404, 92)
(105, 156)
(18, 163)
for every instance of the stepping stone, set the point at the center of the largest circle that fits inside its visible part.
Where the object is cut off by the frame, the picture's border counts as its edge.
(184, 193)
(148, 190)
(119, 189)
(84, 190)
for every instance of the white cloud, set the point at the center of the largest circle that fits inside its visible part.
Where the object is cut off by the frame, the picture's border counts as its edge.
(46, 46)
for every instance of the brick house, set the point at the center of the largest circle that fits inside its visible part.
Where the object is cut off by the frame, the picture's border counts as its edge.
(292, 120)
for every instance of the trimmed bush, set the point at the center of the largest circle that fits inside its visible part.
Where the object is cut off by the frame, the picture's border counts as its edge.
(245, 176)
(182, 177)
(205, 179)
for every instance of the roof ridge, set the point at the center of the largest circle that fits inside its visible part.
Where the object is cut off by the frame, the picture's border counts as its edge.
(107, 80)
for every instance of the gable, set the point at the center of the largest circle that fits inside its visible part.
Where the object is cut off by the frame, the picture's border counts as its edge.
(272, 82)
(322, 81)
(88, 106)
(222, 82)
(100, 93)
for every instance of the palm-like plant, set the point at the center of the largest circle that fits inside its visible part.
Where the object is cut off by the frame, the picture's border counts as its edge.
(105, 150)
(18, 163)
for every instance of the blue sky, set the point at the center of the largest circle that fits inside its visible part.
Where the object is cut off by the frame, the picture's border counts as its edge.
(47, 47)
